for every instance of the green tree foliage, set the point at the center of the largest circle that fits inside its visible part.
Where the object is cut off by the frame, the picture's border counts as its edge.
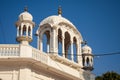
(109, 76)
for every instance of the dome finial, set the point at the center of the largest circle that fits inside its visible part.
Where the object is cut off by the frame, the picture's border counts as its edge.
(59, 10)
(84, 42)
(26, 8)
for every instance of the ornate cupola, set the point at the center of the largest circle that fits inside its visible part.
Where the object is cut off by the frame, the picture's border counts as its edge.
(62, 38)
(87, 57)
(25, 27)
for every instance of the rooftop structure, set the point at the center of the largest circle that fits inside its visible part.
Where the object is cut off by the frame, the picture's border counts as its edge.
(24, 62)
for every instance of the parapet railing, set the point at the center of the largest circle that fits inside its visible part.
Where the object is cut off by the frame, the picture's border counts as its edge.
(13, 50)
(40, 56)
(9, 50)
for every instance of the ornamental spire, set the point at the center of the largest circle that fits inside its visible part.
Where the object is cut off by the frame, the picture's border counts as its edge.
(84, 42)
(26, 8)
(59, 10)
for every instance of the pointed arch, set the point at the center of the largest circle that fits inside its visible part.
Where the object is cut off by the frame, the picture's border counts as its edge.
(46, 41)
(44, 38)
(75, 48)
(67, 44)
(24, 30)
(88, 61)
(60, 42)
(83, 61)
(29, 31)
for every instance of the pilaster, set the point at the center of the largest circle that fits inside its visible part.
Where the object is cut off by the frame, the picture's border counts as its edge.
(24, 73)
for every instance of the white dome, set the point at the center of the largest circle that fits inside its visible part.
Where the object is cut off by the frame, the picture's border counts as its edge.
(86, 50)
(55, 19)
(25, 16)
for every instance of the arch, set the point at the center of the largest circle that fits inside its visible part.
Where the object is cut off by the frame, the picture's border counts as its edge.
(67, 44)
(42, 32)
(60, 42)
(83, 61)
(88, 61)
(24, 30)
(59, 35)
(46, 41)
(29, 31)
(75, 48)
(44, 27)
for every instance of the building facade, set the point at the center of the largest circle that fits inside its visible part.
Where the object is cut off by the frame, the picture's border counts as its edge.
(66, 56)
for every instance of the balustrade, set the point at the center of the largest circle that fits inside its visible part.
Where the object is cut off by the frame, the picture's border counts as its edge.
(14, 50)
(40, 56)
(9, 50)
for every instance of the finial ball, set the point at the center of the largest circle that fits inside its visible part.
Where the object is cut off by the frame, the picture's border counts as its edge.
(59, 10)
(26, 8)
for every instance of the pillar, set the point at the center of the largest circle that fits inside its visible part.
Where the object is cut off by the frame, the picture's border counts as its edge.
(53, 39)
(91, 62)
(27, 27)
(18, 31)
(21, 32)
(48, 46)
(79, 54)
(41, 44)
(38, 42)
(31, 32)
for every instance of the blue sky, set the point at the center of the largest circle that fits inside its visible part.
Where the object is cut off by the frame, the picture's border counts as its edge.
(97, 20)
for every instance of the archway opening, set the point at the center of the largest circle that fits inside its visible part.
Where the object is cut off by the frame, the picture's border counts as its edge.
(29, 31)
(88, 63)
(46, 41)
(67, 44)
(60, 42)
(75, 49)
(69, 55)
(24, 30)
(83, 61)
(19, 31)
